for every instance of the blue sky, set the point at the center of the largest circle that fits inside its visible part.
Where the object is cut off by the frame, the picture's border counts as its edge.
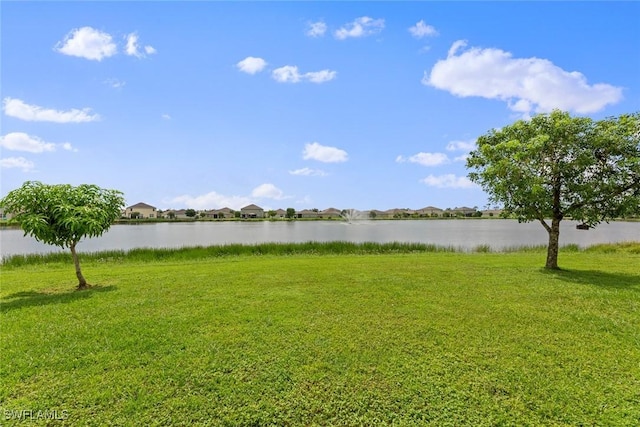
(365, 105)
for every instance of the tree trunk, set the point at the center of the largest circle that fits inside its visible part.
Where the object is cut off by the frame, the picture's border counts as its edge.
(553, 247)
(82, 283)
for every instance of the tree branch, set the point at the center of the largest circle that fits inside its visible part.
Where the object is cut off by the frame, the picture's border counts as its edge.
(607, 196)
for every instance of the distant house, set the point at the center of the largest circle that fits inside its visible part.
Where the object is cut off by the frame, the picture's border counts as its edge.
(464, 211)
(5, 215)
(252, 211)
(281, 213)
(492, 212)
(219, 213)
(375, 213)
(307, 213)
(175, 214)
(331, 213)
(141, 210)
(430, 211)
(399, 213)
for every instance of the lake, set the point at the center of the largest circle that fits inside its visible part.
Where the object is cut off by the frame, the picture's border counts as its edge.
(465, 234)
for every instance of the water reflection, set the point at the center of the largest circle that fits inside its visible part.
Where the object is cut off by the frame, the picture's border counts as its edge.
(464, 234)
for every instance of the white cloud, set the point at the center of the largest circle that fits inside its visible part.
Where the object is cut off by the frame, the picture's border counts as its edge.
(268, 191)
(210, 200)
(465, 146)
(33, 113)
(461, 145)
(251, 65)
(290, 74)
(360, 27)
(214, 200)
(526, 84)
(305, 201)
(324, 154)
(308, 172)
(320, 76)
(166, 117)
(448, 181)
(67, 146)
(88, 43)
(133, 49)
(316, 29)
(115, 83)
(457, 45)
(17, 162)
(132, 45)
(20, 141)
(425, 159)
(421, 30)
(286, 74)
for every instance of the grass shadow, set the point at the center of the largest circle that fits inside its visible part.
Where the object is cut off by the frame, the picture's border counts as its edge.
(24, 299)
(598, 278)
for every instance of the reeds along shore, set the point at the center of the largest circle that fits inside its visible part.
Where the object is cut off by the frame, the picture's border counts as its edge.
(288, 249)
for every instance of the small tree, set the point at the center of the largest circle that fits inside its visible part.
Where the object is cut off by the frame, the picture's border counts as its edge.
(61, 215)
(291, 213)
(556, 166)
(190, 213)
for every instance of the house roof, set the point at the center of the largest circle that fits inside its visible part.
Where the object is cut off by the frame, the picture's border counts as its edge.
(399, 210)
(223, 210)
(251, 207)
(331, 211)
(141, 206)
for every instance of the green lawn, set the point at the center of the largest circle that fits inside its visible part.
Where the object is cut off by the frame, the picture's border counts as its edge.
(352, 339)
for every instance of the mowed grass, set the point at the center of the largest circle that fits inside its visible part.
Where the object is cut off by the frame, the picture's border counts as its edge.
(352, 339)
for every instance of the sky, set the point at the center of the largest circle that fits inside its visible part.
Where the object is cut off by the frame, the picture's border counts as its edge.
(351, 105)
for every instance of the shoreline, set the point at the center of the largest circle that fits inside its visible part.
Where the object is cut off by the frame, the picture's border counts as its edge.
(311, 248)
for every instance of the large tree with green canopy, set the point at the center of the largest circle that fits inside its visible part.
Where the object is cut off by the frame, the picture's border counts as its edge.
(61, 214)
(555, 166)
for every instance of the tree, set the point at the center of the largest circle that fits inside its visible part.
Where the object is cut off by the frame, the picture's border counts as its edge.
(61, 214)
(555, 166)
(190, 213)
(291, 213)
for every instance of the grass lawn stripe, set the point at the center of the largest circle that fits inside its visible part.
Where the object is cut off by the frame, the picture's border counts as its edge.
(351, 339)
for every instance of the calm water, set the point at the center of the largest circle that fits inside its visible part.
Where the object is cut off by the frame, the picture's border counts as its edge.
(465, 234)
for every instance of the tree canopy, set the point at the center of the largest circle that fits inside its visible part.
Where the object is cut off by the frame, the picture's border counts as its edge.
(555, 166)
(62, 215)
